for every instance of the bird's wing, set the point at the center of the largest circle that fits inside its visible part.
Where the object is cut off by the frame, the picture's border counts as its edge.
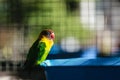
(42, 52)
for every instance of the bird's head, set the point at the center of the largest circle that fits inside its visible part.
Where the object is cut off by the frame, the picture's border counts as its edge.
(47, 33)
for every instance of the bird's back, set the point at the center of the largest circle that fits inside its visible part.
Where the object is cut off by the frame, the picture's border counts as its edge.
(32, 56)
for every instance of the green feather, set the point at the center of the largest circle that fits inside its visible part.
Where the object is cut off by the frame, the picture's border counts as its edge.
(32, 55)
(41, 47)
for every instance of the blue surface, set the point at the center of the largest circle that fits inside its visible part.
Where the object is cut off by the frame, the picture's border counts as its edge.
(85, 57)
(84, 69)
(56, 49)
(83, 73)
(84, 65)
(115, 61)
(91, 52)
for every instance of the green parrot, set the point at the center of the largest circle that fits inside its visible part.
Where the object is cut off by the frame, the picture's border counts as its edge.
(40, 49)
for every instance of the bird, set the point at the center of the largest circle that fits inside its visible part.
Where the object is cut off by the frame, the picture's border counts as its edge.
(40, 49)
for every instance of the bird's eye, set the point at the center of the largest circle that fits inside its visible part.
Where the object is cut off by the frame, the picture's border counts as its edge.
(52, 36)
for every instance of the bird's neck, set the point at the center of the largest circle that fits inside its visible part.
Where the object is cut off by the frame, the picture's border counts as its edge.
(47, 40)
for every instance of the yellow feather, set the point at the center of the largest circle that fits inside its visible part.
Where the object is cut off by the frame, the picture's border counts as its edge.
(49, 43)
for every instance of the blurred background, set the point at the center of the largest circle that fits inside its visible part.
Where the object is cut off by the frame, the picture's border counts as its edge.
(84, 28)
